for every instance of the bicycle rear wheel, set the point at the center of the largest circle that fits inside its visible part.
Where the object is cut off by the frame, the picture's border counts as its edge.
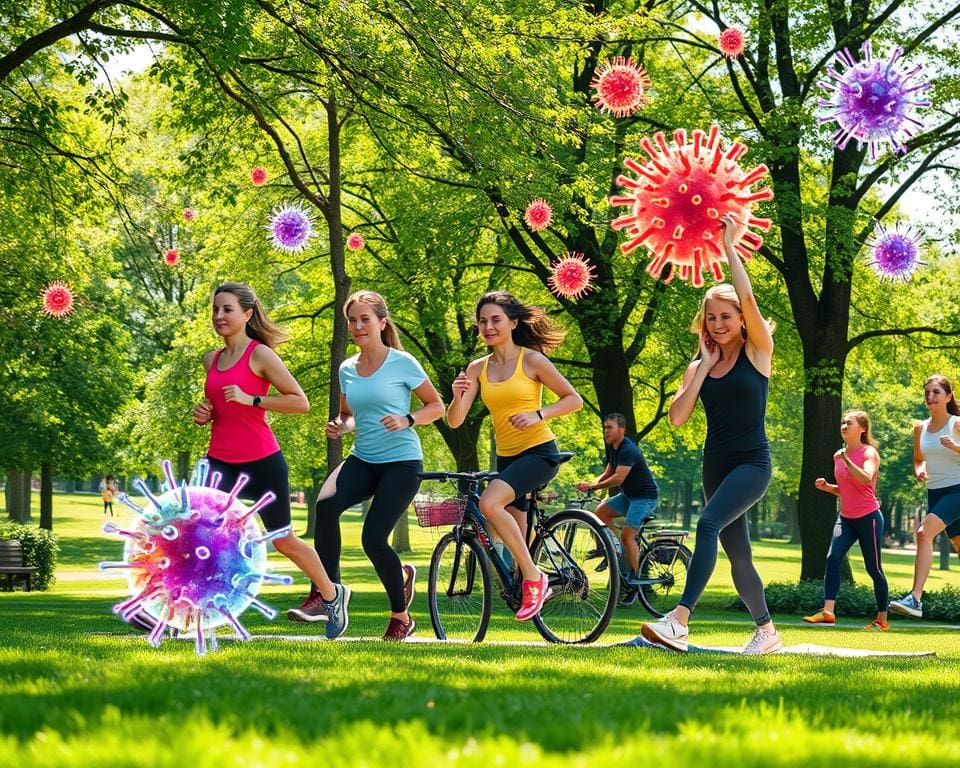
(665, 561)
(459, 588)
(583, 598)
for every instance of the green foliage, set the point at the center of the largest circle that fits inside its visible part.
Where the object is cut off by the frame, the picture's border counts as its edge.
(40, 550)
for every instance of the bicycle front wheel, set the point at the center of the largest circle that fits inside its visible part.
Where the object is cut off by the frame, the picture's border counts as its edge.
(459, 589)
(584, 597)
(665, 564)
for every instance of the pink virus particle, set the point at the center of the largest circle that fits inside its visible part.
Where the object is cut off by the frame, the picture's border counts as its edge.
(572, 276)
(57, 299)
(895, 252)
(196, 558)
(189, 214)
(538, 215)
(290, 228)
(171, 257)
(258, 176)
(620, 87)
(355, 241)
(732, 42)
(678, 198)
(874, 101)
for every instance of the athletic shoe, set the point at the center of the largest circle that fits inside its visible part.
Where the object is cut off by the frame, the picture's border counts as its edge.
(628, 597)
(337, 616)
(398, 631)
(821, 617)
(409, 584)
(535, 594)
(876, 626)
(311, 610)
(763, 642)
(907, 605)
(667, 632)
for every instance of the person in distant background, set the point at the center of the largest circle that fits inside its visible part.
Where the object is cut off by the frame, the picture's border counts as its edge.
(108, 492)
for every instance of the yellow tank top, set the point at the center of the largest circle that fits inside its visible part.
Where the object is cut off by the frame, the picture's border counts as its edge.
(518, 394)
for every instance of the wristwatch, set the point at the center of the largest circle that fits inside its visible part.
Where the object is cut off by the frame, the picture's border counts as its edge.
(256, 400)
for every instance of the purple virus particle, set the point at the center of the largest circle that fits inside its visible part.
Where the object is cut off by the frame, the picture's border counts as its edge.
(895, 252)
(874, 101)
(196, 557)
(290, 228)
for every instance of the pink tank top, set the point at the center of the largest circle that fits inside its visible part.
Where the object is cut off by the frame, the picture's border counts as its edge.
(239, 433)
(856, 499)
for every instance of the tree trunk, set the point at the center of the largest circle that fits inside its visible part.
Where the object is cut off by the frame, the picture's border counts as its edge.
(317, 476)
(945, 548)
(46, 496)
(183, 465)
(754, 518)
(18, 495)
(687, 485)
(401, 534)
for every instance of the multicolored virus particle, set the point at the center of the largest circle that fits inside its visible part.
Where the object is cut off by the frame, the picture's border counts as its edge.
(355, 242)
(189, 214)
(874, 101)
(679, 197)
(895, 252)
(620, 87)
(57, 299)
(197, 558)
(258, 176)
(171, 257)
(572, 276)
(290, 228)
(732, 42)
(538, 215)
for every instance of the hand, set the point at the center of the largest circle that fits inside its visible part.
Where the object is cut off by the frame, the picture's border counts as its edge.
(334, 429)
(921, 475)
(202, 413)
(583, 487)
(948, 442)
(730, 227)
(460, 385)
(709, 352)
(234, 394)
(524, 420)
(394, 422)
(821, 483)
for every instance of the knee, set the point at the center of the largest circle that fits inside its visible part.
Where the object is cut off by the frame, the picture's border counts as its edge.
(706, 528)
(488, 506)
(327, 508)
(628, 535)
(374, 542)
(925, 536)
(287, 544)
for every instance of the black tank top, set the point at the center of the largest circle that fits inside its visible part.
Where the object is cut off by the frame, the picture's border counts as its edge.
(736, 408)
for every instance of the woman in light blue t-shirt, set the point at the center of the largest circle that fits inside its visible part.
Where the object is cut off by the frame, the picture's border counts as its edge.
(384, 464)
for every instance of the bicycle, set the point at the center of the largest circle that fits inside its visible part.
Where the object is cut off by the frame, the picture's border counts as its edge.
(459, 589)
(664, 559)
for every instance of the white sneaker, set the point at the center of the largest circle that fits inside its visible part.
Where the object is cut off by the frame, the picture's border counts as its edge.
(667, 632)
(763, 642)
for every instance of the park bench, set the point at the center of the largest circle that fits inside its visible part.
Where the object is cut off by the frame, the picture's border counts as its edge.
(12, 567)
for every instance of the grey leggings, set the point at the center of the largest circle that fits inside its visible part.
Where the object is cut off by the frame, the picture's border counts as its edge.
(730, 492)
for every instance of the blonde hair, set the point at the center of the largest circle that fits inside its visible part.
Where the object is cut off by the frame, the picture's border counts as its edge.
(863, 420)
(259, 327)
(721, 292)
(389, 335)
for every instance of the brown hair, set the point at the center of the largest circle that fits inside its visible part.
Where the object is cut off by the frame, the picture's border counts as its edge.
(259, 327)
(944, 382)
(389, 334)
(863, 420)
(534, 329)
(720, 292)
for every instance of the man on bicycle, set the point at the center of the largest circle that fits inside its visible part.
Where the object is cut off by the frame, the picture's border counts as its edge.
(638, 497)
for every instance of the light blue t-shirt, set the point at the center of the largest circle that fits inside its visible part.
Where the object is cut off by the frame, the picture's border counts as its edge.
(370, 398)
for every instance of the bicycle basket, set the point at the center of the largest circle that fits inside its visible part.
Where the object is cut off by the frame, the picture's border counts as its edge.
(435, 512)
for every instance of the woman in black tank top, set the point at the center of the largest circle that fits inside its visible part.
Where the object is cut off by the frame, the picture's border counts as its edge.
(730, 376)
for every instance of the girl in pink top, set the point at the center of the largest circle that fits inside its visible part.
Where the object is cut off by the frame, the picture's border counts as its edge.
(239, 377)
(855, 467)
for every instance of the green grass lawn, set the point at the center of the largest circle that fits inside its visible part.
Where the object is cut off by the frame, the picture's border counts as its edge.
(78, 688)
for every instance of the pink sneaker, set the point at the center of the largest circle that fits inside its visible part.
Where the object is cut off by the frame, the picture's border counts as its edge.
(535, 594)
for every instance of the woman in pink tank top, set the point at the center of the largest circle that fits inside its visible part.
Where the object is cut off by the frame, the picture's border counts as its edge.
(238, 381)
(855, 467)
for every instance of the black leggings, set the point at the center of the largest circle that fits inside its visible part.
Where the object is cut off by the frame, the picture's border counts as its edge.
(730, 492)
(392, 486)
(267, 474)
(868, 530)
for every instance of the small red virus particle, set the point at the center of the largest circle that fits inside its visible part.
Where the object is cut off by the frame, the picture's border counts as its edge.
(572, 276)
(538, 215)
(171, 257)
(258, 176)
(732, 42)
(189, 214)
(679, 198)
(355, 242)
(620, 87)
(57, 299)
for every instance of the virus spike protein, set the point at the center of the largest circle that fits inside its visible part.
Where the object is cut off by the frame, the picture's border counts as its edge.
(679, 197)
(196, 562)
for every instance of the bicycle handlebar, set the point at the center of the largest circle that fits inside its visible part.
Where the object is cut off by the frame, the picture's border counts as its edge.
(470, 476)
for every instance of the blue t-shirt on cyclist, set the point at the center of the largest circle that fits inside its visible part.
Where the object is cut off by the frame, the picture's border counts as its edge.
(639, 483)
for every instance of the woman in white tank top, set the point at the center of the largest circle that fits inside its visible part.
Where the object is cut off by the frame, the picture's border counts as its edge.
(936, 461)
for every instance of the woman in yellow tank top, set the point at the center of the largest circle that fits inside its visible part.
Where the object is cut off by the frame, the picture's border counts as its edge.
(510, 382)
